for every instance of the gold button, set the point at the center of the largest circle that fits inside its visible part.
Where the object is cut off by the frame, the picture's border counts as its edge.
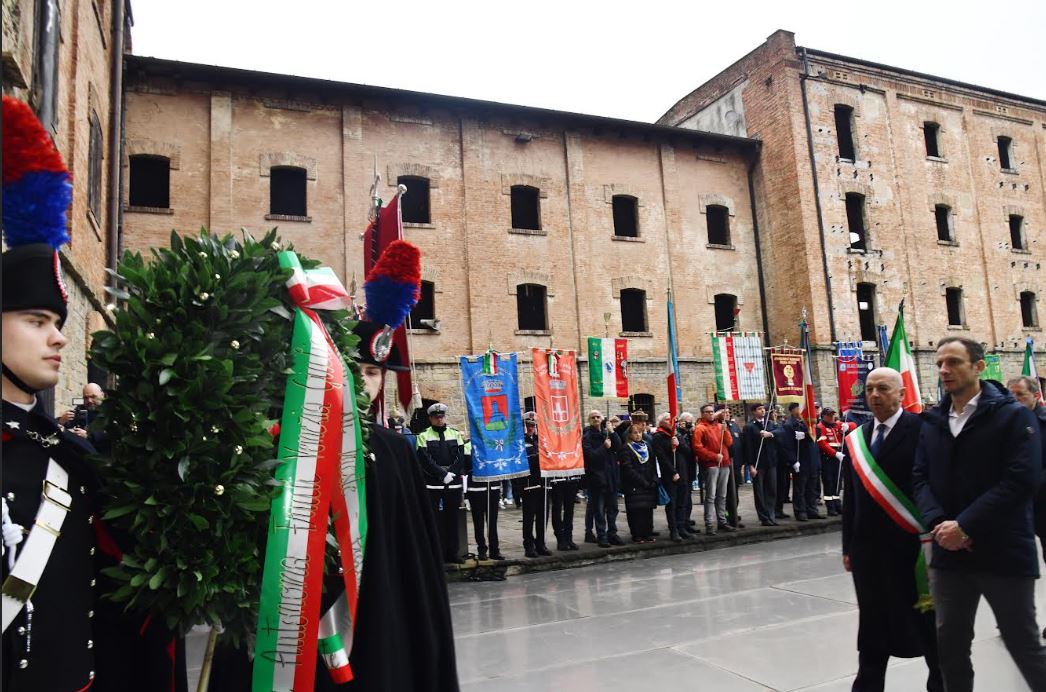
(90, 613)
(92, 582)
(92, 551)
(23, 664)
(21, 631)
(82, 490)
(90, 519)
(90, 643)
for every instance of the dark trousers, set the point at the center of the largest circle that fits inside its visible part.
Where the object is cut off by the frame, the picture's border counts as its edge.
(484, 505)
(533, 518)
(806, 490)
(956, 596)
(676, 510)
(601, 512)
(764, 487)
(640, 522)
(784, 485)
(871, 672)
(446, 520)
(830, 481)
(563, 494)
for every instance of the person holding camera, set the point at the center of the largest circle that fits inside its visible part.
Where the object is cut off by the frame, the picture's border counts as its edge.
(78, 419)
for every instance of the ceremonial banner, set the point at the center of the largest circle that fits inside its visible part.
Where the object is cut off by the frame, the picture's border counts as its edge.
(674, 381)
(853, 369)
(558, 411)
(992, 367)
(738, 360)
(608, 367)
(491, 387)
(786, 366)
(900, 358)
(807, 404)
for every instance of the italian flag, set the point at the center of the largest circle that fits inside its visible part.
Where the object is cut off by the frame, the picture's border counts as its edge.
(899, 357)
(608, 367)
(1029, 369)
(490, 363)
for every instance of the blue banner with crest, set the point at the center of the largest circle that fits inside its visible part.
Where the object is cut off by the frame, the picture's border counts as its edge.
(491, 388)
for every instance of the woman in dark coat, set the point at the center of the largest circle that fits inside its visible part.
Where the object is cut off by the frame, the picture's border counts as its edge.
(639, 481)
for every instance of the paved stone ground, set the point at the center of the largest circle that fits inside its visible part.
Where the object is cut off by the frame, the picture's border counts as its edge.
(777, 616)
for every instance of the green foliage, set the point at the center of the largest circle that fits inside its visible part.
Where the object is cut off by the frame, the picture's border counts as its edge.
(200, 352)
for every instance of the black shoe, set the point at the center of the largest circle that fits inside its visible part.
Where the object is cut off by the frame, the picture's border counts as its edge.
(561, 546)
(656, 533)
(766, 522)
(590, 538)
(692, 522)
(571, 545)
(542, 550)
(530, 552)
(614, 539)
(801, 517)
(674, 537)
(482, 555)
(685, 535)
(727, 528)
(782, 515)
(815, 515)
(710, 530)
(603, 543)
(497, 556)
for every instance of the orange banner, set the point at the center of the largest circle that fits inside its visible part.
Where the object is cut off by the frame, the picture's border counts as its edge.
(559, 412)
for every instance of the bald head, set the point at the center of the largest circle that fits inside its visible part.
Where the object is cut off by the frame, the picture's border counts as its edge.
(93, 395)
(884, 389)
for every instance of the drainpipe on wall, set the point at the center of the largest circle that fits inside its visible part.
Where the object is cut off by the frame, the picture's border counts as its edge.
(755, 234)
(817, 193)
(116, 131)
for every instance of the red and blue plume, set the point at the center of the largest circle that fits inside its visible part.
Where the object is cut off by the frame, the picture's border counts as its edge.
(394, 284)
(37, 186)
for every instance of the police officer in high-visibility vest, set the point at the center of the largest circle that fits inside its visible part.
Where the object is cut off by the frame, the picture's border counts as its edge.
(830, 434)
(441, 451)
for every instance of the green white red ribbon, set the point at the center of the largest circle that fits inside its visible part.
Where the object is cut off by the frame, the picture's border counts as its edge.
(322, 473)
(898, 506)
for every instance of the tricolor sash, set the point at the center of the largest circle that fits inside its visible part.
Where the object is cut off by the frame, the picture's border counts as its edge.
(322, 473)
(898, 506)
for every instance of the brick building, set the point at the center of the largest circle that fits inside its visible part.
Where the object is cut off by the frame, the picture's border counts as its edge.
(64, 59)
(876, 182)
(533, 224)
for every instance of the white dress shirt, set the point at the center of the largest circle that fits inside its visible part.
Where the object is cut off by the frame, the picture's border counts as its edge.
(957, 420)
(890, 423)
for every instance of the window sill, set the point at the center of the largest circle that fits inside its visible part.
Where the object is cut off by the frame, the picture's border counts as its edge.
(527, 231)
(866, 251)
(1018, 251)
(92, 221)
(412, 224)
(628, 239)
(1031, 329)
(636, 335)
(717, 246)
(948, 243)
(856, 163)
(148, 210)
(937, 159)
(533, 332)
(433, 332)
(1010, 171)
(958, 328)
(288, 217)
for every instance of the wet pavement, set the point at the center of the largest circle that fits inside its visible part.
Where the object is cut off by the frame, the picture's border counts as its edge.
(778, 615)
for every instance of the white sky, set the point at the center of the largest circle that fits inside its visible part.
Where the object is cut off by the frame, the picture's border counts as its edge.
(627, 60)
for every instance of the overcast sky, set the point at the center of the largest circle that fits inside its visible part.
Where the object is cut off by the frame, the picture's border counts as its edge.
(628, 60)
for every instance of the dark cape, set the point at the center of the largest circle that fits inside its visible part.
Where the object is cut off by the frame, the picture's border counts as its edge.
(403, 639)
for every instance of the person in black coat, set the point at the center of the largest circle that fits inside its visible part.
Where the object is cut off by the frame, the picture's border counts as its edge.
(600, 447)
(796, 449)
(533, 493)
(1027, 392)
(880, 554)
(761, 458)
(639, 481)
(670, 474)
(688, 464)
(976, 472)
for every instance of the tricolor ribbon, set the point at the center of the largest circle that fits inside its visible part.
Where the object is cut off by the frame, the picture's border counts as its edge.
(323, 480)
(898, 506)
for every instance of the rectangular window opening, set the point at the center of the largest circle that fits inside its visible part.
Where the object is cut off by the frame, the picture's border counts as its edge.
(633, 310)
(425, 308)
(1017, 232)
(718, 220)
(953, 298)
(931, 133)
(855, 221)
(287, 195)
(1029, 310)
(626, 216)
(526, 213)
(844, 132)
(149, 183)
(725, 312)
(866, 311)
(414, 205)
(942, 214)
(94, 173)
(530, 307)
(1005, 145)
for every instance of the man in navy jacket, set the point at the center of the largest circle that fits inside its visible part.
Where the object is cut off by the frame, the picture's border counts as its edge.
(976, 470)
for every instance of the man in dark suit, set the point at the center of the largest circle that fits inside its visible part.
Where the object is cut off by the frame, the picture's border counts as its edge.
(877, 551)
(761, 458)
(976, 471)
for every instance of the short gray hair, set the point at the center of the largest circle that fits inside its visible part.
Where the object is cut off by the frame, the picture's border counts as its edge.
(1030, 382)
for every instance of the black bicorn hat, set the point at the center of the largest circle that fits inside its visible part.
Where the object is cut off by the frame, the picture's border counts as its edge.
(376, 346)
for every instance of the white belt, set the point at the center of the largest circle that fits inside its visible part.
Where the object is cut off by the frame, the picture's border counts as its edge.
(55, 502)
(443, 487)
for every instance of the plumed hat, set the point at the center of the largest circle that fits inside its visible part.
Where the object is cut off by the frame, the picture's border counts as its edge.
(37, 192)
(391, 289)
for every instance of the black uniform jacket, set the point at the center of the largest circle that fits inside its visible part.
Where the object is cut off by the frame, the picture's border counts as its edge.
(403, 639)
(60, 655)
(758, 449)
(882, 554)
(638, 479)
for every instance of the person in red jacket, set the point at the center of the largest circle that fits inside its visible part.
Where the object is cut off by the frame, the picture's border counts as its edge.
(830, 434)
(712, 442)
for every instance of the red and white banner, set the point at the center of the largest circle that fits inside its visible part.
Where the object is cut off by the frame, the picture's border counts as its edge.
(559, 412)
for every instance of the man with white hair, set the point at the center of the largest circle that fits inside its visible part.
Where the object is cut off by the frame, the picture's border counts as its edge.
(879, 552)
